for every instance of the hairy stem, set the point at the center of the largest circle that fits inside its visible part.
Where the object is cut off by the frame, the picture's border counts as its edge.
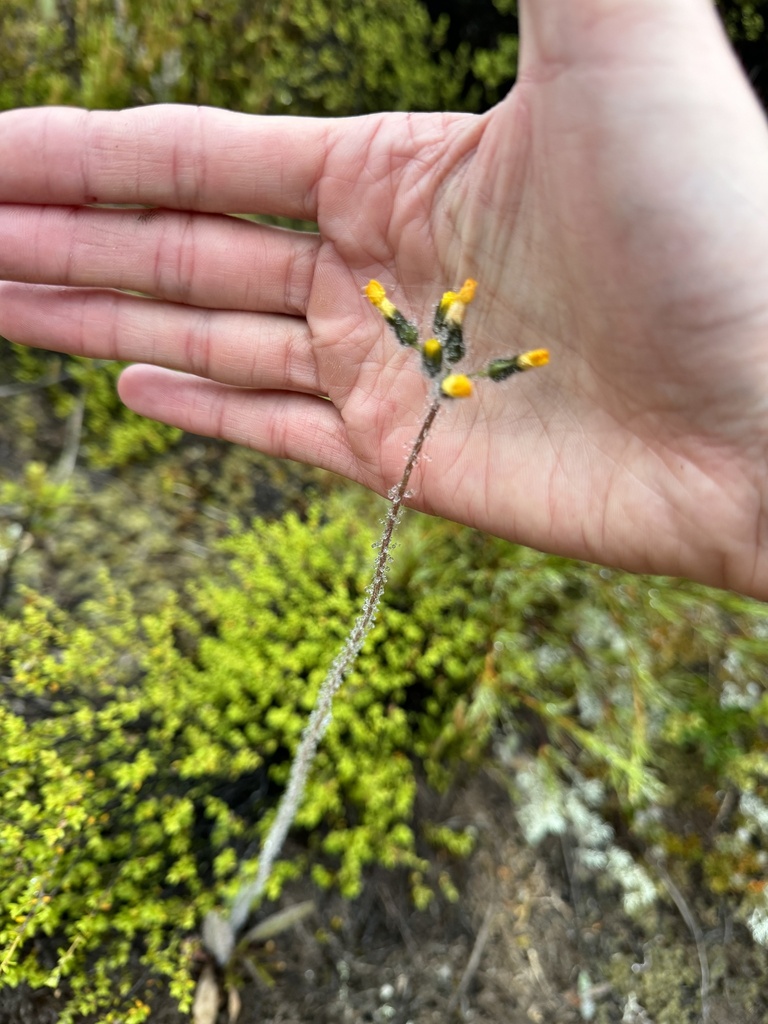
(320, 717)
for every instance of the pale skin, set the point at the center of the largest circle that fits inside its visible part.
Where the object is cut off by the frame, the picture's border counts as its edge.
(613, 208)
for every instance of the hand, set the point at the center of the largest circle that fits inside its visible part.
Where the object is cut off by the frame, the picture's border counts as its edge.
(614, 208)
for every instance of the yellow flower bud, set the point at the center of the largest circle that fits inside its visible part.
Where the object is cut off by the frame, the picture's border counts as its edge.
(375, 292)
(448, 298)
(536, 357)
(432, 357)
(377, 295)
(456, 385)
(500, 369)
(464, 295)
(453, 304)
(467, 290)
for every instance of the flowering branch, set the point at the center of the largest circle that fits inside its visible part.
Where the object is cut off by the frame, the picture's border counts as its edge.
(438, 355)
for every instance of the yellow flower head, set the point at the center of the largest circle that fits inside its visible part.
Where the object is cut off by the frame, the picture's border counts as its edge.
(500, 369)
(432, 357)
(446, 348)
(467, 290)
(375, 292)
(536, 357)
(456, 385)
(378, 297)
(447, 299)
(464, 295)
(454, 304)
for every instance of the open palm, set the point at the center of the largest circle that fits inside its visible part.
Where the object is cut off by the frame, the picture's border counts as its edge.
(613, 208)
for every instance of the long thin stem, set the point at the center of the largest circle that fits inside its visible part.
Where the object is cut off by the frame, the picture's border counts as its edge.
(320, 716)
(439, 354)
(698, 937)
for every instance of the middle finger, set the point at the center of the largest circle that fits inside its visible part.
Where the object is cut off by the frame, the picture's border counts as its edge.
(210, 260)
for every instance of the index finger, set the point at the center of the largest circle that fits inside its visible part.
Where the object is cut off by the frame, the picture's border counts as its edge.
(182, 157)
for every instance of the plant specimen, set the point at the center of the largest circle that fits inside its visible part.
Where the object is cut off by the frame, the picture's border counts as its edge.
(439, 354)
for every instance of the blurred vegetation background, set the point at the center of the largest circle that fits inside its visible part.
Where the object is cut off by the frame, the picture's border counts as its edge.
(168, 606)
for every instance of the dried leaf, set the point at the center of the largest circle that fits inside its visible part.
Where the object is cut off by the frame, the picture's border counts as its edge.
(279, 922)
(234, 1004)
(205, 1008)
(218, 937)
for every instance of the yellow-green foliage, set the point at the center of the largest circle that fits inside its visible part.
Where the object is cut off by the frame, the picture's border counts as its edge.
(744, 19)
(111, 434)
(33, 501)
(142, 756)
(303, 57)
(297, 590)
(83, 829)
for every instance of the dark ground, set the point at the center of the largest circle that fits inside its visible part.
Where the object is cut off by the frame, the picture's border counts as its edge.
(524, 944)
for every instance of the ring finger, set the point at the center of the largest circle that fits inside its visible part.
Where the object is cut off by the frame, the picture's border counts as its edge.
(252, 350)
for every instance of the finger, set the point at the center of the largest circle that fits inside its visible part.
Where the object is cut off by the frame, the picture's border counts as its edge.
(214, 261)
(292, 426)
(244, 349)
(183, 157)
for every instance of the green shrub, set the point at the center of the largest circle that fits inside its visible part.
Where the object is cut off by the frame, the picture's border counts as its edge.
(142, 755)
(308, 57)
(111, 435)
